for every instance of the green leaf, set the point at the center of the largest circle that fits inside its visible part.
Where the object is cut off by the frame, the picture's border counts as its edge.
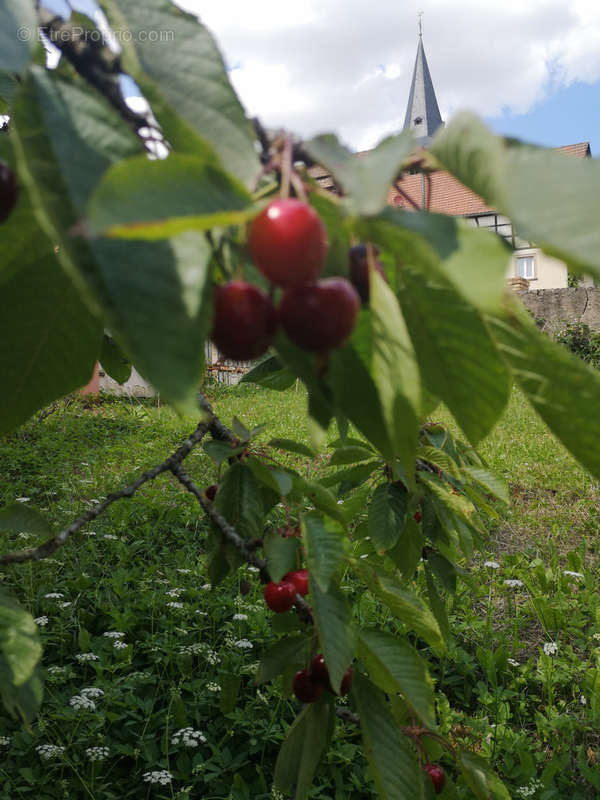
(395, 371)
(306, 741)
(404, 604)
(389, 752)
(387, 515)
(394, 666)
(280, 553)
(548, 196)
(563, 389)
(271, 374)
(440, 459)
(320, 497)
(113, 361)
(189, 78)
(438, 606)
(18, 34)
(324, 544)
(221, 451)
(18, 518)
(275, 479)
(239, 501)
(458, 360)
(350, 455)
(366, 178)
(356, 474)
(20, 654)
(480, 777)
(292, 447)
(293, 651)
(407, 552)
(65, 138)
(491, 483)
(332, 620)
(456, 503)
(304, 365)
(49, 341)
(143, 199)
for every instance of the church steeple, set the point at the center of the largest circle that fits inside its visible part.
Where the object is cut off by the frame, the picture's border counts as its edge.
(422, 113)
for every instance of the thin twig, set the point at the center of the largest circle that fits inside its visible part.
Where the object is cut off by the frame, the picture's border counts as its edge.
(346, 715)
(52, 545)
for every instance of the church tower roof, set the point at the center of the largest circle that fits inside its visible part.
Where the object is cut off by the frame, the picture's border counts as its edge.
(422, 113)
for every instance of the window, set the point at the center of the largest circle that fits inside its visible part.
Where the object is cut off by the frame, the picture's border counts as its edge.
(525, 267)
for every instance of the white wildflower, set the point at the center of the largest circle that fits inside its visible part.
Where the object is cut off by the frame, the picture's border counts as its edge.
(23, 499)
(48, 751)
(160, 776)
(53, 596)
(110, 537)
(24, 535)
(583, 700)
(550, 648)
(80, 702)
(202, 613)
(89, 533)
(113, 634)
(513, 662)
(174, 604)
(183, 571)
(175, 592)
(119, 645)
(188, 737)
(491, 564)
(41, 621)
(206, 587)
(97, 753)
(213, 687)
(57, 670)
(240, 617)
(4, 741)
(513, 583)
(596, 636)
(82, 657)
(92, 691)
(65, 604)
(573, 574)
(243, 644)
(253, 569)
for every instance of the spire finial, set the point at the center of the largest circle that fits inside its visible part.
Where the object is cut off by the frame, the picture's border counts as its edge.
(420, 15)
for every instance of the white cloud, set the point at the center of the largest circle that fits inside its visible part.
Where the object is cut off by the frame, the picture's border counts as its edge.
(346, 65)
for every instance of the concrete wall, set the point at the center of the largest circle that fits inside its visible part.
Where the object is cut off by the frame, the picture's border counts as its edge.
(558, 306)
(136, 386)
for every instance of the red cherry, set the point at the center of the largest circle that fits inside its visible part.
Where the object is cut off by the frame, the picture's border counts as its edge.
(437, 775)
(346, 682)
(320, 674)
(288, 242)
(280, 596)
(300, 580)
(359, 270)
(320, 316)
(417, 516)
(9, 191)
(245, 321)
(211, 491)
(305, 688)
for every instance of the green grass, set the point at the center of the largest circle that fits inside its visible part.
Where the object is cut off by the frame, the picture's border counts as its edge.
(116, 573)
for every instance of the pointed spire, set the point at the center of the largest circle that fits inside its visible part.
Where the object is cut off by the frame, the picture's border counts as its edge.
(422, 113)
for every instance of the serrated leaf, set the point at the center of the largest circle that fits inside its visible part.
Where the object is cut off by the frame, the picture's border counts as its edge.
(271, 374)
(480, 777)
(394, 666)
(404, 604)
(458, 359)
(20, 654)
(324, 545)
(438, 606)
(387, 515)
(439, 458)
(563, 389)
(304, 745)
(142, 199)
(320, 497)
(18, 518)
(350, 454)
(113, 360)
(292, 651)
(18, 34)
(456, 503)
(65, 138)
(389, 752)
(189, 78)
(407, 552)
(366, 178)
(239, 501)
(491, 483)
(395, 371)
(336, 637)
(281, 554)
(292, 447)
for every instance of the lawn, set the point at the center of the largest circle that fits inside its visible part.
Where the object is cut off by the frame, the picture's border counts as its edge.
(150, 672)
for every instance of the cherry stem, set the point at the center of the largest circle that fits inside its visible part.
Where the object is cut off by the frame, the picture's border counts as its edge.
(286, 167)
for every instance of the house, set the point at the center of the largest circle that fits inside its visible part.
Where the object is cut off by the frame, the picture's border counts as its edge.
(529, 267)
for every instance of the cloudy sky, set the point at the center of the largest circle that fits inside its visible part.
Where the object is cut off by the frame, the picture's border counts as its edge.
(530, 67)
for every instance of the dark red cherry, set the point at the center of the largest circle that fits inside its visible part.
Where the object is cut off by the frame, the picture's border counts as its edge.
(245, 321)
